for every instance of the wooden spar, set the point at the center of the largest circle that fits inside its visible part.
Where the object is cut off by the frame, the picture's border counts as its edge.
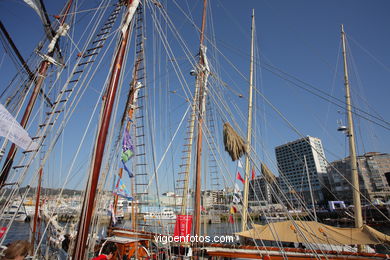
(249, 132)
(200, 79)
(17, 53)
(22, 61)
(351, 138)
(87, 212)
(37, 200)
(26, 116)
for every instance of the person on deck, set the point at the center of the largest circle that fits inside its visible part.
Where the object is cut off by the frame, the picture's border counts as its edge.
(17, 250)
(108, 251)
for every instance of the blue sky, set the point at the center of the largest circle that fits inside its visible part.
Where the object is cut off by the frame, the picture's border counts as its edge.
(301, 38)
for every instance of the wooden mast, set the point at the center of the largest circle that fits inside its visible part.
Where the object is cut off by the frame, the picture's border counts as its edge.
(26, 116)
(87, 212)
(201, 93)
(249, 132)
(352, 146)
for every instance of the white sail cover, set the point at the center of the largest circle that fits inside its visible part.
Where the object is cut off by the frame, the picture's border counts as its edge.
(36, 5)
(12, 130)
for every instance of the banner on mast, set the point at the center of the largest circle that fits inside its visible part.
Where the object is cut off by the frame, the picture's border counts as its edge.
(12, 130)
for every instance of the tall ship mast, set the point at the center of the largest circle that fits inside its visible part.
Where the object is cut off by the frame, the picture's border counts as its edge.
(351, 141)
(249, 131)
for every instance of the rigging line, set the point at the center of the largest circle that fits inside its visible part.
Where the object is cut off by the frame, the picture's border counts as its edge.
(317, 89)
(218, 162)
(54, 141)
(169, 145)
(239, 110)
(2, 59)
(338, 105)
(83, 11)
(170, 51)
(368, 53)
(296, 131)
(178, 36)
(286, 211)
(333, 86)
(356, 93)
(82, 139)
(280, 71)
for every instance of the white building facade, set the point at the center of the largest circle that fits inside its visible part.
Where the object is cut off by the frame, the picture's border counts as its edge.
(293, 180)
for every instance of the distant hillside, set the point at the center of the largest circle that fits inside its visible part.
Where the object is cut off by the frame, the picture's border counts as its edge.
(48, 191)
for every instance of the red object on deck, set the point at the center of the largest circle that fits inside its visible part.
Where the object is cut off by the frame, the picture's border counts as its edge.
(2, 231)
(183, 225)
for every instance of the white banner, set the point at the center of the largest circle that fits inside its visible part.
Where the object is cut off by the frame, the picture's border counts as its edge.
(12, 130)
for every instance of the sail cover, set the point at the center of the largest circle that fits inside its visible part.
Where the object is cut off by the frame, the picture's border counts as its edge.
(12, 130)
(39, 9)
(316, 233)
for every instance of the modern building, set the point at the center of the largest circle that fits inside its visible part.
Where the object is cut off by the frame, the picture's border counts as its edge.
(261, 190)
(213, 197)
(373, 171)
(293, 174)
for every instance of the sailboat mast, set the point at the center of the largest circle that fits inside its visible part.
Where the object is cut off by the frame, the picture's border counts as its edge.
(351, 137)
(88, 208)
(26, 116)
(249, 130)
(201, 92)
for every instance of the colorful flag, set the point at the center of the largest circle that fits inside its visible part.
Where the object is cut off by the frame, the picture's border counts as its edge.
(239, 165)
(253, 174)
(127, 147)
(131, 175)
(231, 220)
(236, 194)
(127, 151)
(122, 191)
(240, 178)
(233, 210)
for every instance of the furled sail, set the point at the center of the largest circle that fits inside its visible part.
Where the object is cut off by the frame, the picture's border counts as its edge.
(12, 130)
(315, 233)
(268, 175)
(39, 9)
(234, 144)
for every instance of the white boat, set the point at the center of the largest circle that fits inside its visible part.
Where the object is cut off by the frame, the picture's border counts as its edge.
(164, 214)
(21, 215)
(273, 218)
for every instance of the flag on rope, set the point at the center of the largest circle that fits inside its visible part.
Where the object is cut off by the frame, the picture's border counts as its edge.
(236, 194)
(233, 210)
(239, 177)
(239, 164)
(122, 191)
(127, 151)
(253, 174)
(231, 220)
